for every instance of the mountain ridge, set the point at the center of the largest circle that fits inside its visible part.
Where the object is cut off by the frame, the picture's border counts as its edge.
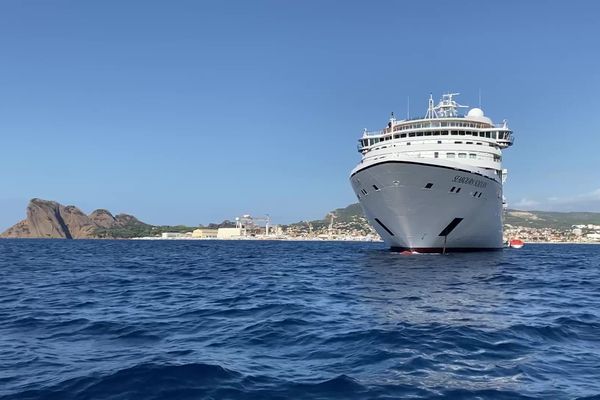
(50, 219)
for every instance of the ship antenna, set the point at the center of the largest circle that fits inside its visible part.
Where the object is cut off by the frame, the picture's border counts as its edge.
(431, 109)
(479, 98)
(407, 107)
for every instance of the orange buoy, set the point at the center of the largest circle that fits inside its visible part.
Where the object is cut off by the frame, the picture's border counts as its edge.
(516, 243)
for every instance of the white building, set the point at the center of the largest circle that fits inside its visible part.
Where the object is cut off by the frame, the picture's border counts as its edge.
(593, 236)
(172, 235)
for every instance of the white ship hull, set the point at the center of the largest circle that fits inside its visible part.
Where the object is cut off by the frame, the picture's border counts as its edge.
(409, 216)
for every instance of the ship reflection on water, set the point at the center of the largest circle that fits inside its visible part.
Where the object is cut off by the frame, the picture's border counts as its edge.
(455, 288)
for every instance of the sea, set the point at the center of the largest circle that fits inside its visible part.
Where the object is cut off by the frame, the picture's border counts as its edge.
(102, 319)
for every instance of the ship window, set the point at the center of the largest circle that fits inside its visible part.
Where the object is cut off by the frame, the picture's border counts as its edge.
(462, 155)
(439, 142)
(412, 134)
(458, 142)
(469, 142)
(450, 155)
(457, 190)
(408, 143)
(452, 190)
(436, 154)
(429, 186)
(494, 135)
(375, 187)
(419, 133)
(472, 155)
(363, 191)
(403, 135)
(479, 143)
(396, 136)
(487, 135)
(461, 133)
(479, 195)
(444, 132)
(455, 132)
(475, 194)
(427, 133)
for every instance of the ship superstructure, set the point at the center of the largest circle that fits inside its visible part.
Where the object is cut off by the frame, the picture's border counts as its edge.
(435, 183)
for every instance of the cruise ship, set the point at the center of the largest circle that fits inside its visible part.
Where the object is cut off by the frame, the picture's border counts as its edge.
(434, 184)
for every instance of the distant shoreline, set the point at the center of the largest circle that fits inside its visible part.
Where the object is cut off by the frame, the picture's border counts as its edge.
(562, 242)
(153, 239)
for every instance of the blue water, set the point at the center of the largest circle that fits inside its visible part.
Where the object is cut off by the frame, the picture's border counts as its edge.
(295, 320)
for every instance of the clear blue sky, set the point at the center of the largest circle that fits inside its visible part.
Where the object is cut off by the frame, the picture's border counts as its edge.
(196, 111)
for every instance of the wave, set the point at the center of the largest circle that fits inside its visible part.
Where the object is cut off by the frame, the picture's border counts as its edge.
(208, 381)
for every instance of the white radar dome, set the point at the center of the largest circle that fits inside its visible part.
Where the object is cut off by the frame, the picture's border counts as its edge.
(475, 112)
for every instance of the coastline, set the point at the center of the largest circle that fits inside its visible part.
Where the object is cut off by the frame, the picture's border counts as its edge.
(266, 239)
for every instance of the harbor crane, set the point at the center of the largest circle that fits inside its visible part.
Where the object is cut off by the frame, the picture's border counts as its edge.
(247, 221)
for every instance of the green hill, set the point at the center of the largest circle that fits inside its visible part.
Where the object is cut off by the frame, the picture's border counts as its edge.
(550, 219)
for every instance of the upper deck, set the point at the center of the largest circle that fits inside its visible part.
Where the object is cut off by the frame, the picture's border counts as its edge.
(441, 122)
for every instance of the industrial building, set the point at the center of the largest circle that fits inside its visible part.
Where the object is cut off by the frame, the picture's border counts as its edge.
(205, 233)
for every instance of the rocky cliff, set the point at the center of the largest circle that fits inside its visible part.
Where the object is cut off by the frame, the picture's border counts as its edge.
(49, 219)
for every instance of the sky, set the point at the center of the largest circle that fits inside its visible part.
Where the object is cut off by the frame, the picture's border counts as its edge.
(191, 112)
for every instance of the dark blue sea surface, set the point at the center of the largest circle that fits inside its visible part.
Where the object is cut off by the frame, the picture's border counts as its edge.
(295, 320)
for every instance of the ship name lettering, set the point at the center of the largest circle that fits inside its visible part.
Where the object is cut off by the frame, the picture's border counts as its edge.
(469, 181)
